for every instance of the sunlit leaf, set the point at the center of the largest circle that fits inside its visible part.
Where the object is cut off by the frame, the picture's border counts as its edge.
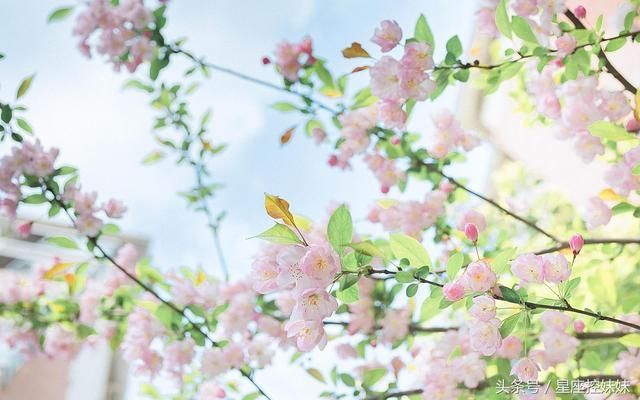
(286, 136)
(355, 51)
(278, 208)
(56, 269)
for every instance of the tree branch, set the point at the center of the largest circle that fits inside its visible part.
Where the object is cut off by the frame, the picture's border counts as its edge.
(610, 68)
(565, 245)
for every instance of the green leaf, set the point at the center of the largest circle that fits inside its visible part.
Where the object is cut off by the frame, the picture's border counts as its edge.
(501, 260)
(24, 125)
(316, 374)
(423, 32)
(110, 229)
(284, 106)
(462, 75)
(6, 114)
(347, 380)
(24, 86)
(349, 295)
(571, 286)
(615, 44)
(252, 396)
(323, 73)
(431, 305)
(510, 295)
(454, 263)
(405, 277)
(279, 233)
(372, 376)
(502, 19)
(134, 83)
(404, 246)
(35, 199)
(59, 14)
(153, 157)
(340, 228)
(622, 208)
(454, 46)
(522, 29)
(63, 242)
(412, 290)
(632, 340)
(367, 248)
(509, 324)
(609, 131)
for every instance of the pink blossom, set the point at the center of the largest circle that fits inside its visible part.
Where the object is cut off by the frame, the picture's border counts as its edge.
(485, 336)
(88, 225)
(321, 264)
(233, 355)
(346, 351)
(555, 321)
(391, 114)
(555, 268)
(614, 105)
(478, 277)
(417, 55)
(385, 79)
(308, 334)
(628, 366)
(385, 170)
(265, 276)
(388, 35)
(525, 8)
(558, 346)
(483, 308)
(588, 146)
(415, 84)
(529, 268)
(566, 44)
(213, 362)
(453, 291)
(575, 243)
(395, 325)
(597, 213)
(621, 179)
(8, 208)
(510, 348)
(287, 60)
(319, 135)
(114, 208)
(526, 370)
(579, 326)
(210, 390)
(486, 19)
(177, 355)
(633, 125)
(314, 304)
(59, 342)
(471, 369)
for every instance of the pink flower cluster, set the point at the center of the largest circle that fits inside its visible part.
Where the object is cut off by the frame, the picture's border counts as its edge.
(477, 277)
(136, 346)
(305, 273)
(628, 365)
(449, 135)
(558, 345)
(362, 318)
(385, 170)
(442, 372)
(410, 217)
(123, 32)
(531, 268)
(395, 325)
(84, 204)
(540, 14)
(574, 105)
(354, 134)
(290, 57)
(620, 175)
(399, 81)
(28, 159)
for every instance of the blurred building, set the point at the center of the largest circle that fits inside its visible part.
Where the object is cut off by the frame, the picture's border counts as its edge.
(96, 373)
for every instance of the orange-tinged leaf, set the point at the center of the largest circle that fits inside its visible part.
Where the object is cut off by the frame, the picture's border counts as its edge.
(286, 137)
(355, 51)
(70, 277)
(609, 194)
(278, 208)
(56, 269)
(358, 69)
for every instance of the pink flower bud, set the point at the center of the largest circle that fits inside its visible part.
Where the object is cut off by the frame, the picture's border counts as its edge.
(384, 189)
(333, 160)
(580, 12)
(395, 140)
(24, 229)
(453, 291)
(471, 232)
(575, 243)
(579, 326)
(266, 61)
(633, 125)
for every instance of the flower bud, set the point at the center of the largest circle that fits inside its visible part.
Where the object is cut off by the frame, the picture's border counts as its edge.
(633, 125)
(24, 229)
(453, 291)
(579, 326)
(580, 12)
(575, 243)
(471, 232)
(333, 160)
(266, 61)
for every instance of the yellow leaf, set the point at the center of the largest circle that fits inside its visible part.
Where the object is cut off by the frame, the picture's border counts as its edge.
(278, 208)
(355, 51)
(330, 92)
(609, 194)
(386, 203)
(200, 278)
(56, 269)
(303, 223)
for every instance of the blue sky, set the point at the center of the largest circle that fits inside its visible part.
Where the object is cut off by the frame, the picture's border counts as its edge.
(78, 105)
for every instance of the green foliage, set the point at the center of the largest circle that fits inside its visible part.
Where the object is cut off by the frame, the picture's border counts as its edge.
(422, 32)
(340, 228)
(279, 233)
(404, 246)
